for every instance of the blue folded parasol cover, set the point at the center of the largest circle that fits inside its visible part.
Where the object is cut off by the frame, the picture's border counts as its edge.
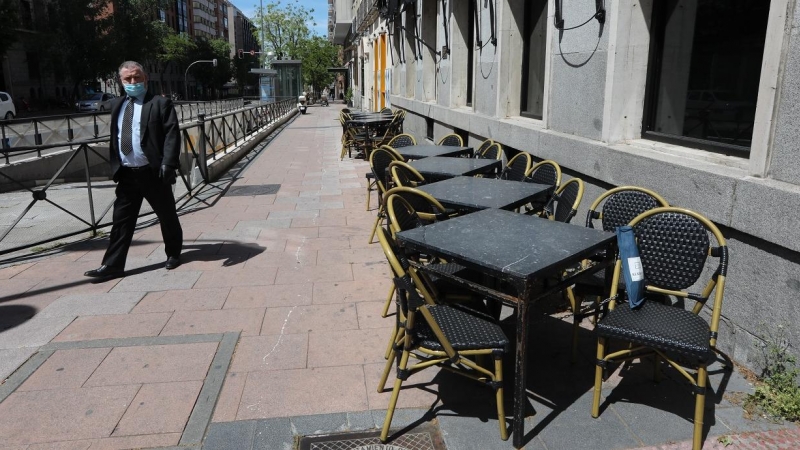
(632, 269)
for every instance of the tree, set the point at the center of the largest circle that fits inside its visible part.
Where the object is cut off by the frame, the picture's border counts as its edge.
(241, 71)
(284, 28)
(10, 15)
(206, 74)
(174, 50)
(317, 54)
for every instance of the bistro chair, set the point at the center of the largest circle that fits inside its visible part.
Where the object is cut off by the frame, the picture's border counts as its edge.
(371, 185)
(674, 246)
(448, 337)
(426, 208)
(405, 175)
(482, 148)
(451, 140)
(544, 172)
(402, 140)
(566, 199)
(345, 110)
(387, 110)
(494, 151)
(517, 167)
(379, 161)
(613, 208)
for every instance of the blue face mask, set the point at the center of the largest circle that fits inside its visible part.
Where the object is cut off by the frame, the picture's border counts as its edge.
(135, 90)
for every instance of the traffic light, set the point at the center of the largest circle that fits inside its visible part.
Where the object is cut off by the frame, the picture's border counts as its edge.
(240, 53)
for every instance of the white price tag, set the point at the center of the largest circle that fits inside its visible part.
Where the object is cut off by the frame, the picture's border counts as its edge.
(635, 268)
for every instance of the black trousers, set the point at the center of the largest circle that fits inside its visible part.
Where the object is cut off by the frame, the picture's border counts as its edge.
(135, 185)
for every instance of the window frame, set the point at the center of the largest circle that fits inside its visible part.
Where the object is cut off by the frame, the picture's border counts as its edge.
(525, 78)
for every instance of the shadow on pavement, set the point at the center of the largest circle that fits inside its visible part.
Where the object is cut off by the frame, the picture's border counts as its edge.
(15, 315)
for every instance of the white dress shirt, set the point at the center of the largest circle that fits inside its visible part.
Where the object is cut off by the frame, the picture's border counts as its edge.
(136, 158)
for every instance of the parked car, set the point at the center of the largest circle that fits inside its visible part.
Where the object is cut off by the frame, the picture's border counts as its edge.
(7, 109)
(99, 101)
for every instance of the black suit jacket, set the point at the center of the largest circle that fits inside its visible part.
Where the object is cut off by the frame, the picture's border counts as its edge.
(160, 134)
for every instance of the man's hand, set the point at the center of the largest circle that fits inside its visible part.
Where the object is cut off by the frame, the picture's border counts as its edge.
(167, 174)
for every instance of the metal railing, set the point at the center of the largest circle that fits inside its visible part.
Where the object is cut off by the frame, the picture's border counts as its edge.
(34, 133)
(78, 195)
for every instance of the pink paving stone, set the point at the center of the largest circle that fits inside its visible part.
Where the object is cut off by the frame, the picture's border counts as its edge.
(369, 315)
(288, 233)
(350, 291)
(296, 257)
(16, 287)
(65, 369)
(8, 272)
(68, 445)
(75, 285)
(351, 347)
(359, 255)
(154, 364)
(63, 415)
(237, 276)
(269, 296)
(128, 442)
(318, 222)
(277, 352)
(342, 231)
(114, 326)
(182, 300)
(229, 398)
(329, 243)
(159, 408)
(313, 274)
(362, 240)
(313, 318)
(288, 393)
(248, 321)
(419, 391)
(372, 271)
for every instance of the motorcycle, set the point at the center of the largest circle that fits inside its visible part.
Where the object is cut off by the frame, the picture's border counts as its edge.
(301, 104)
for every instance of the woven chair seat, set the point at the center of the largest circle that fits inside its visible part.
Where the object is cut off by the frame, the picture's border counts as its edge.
(464, 331)
(666, 328)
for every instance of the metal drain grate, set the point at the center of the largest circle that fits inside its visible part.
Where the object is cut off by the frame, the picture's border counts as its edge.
(257, 189)
(418, 439)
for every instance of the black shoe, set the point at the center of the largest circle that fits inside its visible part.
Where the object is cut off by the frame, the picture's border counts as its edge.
(172, 262)
(105, 272)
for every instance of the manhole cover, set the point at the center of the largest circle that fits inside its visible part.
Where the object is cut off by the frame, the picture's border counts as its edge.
(420, 438)
(258, 189)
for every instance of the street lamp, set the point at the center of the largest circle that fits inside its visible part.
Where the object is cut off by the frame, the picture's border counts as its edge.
(186, 74)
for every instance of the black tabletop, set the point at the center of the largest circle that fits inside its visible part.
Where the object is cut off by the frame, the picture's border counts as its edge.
(442, 167)
(481, 193)
(428, 150)
(371, 120)
(503, 242)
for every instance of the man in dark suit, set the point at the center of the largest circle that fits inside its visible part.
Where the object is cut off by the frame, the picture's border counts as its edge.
(144, 149)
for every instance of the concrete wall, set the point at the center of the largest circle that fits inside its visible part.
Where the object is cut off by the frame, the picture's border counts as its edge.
(592, 126)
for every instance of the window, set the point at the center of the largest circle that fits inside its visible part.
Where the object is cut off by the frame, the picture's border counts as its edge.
(533, 58)
(33, 65)
(470, 50)
(705, 68)
(25, 14)
(429, 128)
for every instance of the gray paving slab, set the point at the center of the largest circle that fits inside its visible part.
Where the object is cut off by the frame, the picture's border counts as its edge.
(35, 332)
(12, 358)
(470, 433)
(320, 424)
(19, 377)
(157, 280)
(231, 436)
(92, 304)
(363, 420)
(738, 421)
(274, 434)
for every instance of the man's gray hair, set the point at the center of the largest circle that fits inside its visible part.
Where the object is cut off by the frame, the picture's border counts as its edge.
(131, 65)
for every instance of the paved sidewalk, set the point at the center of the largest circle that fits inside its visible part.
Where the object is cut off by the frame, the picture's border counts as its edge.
(271, 330)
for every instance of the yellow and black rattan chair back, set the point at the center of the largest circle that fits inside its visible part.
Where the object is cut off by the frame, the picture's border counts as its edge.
(387, 110)
(444, 336)
(402, 140)
(566, 199)
(427, 208)
(494, 151)
(405, 175)
(379, 161)
(545, 172)
(618, 206)
(674, 246)
(517, 167)
(483, 147)
(451, 140)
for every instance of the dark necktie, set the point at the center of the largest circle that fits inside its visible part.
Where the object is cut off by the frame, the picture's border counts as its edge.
(127, 129)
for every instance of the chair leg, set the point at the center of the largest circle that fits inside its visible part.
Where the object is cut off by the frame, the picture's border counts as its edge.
(398, 383)
(369, 189)
(501, 412)
(390, 358)
(377, 224)
(388, 302)
(598, 377)
(699, 408)
(573, 303)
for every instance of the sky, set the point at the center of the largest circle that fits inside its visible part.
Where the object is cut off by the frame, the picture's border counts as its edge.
(320, 14)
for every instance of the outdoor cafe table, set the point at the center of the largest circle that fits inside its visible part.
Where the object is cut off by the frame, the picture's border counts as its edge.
(428, 150)
(470, 193)
(371, 121)
(442, 167)
(520, 249)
